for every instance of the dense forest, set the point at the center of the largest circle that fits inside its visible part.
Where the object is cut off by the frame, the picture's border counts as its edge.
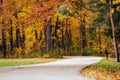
(54, 28)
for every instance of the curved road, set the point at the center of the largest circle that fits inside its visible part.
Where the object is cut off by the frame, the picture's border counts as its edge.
(68, 69)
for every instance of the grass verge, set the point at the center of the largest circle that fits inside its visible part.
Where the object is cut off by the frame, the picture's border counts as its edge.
(103, 70)
(19, 62)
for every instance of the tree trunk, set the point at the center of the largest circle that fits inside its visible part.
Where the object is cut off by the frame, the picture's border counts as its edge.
(66, 39)
(17, 37)
(63, 44)
(56, 36)
(4, 43)
(3, 40)
(11, 37)
(23, 41)
(48, 36)
(113, 33)
(3, 33)
(99, 39)
(55, 41)
(83, 35)
(36, 37)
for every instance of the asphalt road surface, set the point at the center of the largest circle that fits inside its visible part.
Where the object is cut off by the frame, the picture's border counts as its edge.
(68, 69)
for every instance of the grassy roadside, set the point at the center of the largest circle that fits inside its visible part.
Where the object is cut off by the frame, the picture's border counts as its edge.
(103, 70)
(18, 62)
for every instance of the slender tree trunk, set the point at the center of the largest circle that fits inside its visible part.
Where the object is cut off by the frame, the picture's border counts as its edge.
(23, 42)
(17, 32)
(57, 27)
(3, 33)
(66, 39)
(11, 37)
(106, 52)
(99, 39)
(63, 44)
(70, 41)
(4, 43)
(48, 36)
(83, 35)
(113, 33)
(17, 37)
(91, 31)
(36, 37)
(55, 41)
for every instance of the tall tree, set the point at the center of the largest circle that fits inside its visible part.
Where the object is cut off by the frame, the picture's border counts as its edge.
(113, 32)
(11, 37)
(44, 10)
(3, 31)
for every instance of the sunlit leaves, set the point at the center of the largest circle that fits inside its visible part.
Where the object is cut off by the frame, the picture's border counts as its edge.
(103, 1)
(116, 1)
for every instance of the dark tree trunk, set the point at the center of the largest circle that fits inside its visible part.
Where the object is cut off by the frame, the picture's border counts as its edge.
(4, 43)
(36, 37)
(63, 44)
(91, 31)
(55, 33)
(70, 41)
(55, 41)
(83, 34)
(23, 42)
(67, 38)
(106, 52)
(99, 39)
(48, 36)
(11, 37)
(118, 20)
(113, 33)
(17, 36)
(3, 34)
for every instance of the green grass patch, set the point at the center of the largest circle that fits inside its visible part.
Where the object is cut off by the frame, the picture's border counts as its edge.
(108, 65)
(19, 62)
(103, 70)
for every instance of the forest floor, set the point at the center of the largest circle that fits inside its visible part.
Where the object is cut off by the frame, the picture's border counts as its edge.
(67, 69)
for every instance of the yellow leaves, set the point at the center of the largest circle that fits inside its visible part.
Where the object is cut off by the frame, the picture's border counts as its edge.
(112, 10)
(116, 1)
(71, 8)
(118, 8)
(82, 12)
(53, 38)
(103, 1)
(19, 50)
(74, 22)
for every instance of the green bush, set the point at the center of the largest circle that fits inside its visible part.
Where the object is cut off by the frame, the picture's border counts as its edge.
(57, 53)
(88, 51)
(35, 54)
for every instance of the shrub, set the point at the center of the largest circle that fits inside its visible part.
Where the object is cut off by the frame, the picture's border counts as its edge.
(35, 54)
(57, 53)
(88, 51)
